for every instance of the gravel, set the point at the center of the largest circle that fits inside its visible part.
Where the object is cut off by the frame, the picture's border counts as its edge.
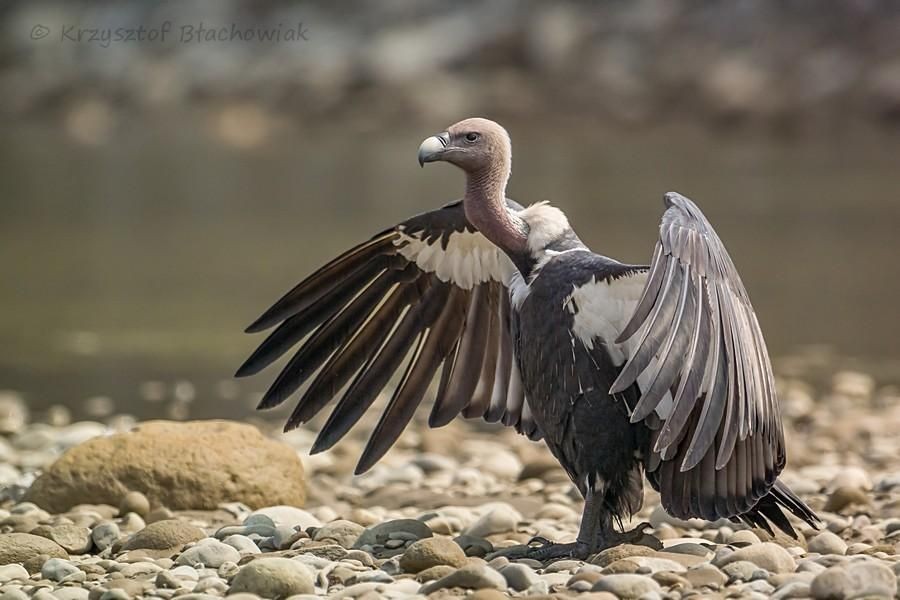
(430, 516)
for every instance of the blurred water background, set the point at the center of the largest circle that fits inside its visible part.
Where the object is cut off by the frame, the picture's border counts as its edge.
(155, 196)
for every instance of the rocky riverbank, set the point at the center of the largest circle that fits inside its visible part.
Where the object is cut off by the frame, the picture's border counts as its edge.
(785, 65)
(429, 519)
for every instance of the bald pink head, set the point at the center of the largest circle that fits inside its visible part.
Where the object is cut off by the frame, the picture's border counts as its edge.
(482, 149)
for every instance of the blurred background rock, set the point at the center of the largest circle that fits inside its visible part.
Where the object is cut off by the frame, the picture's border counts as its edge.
(156, 195)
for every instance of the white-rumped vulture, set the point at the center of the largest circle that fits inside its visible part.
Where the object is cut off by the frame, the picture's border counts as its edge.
(625, 371)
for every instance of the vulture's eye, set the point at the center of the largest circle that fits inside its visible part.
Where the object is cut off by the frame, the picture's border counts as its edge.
(471, 137)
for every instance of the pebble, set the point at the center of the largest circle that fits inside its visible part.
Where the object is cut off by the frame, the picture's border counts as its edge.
(432, 552)
(168, 535)
(473, 576)
(134, 502)
(72, 538)
(380, 534)
(341, 531)
(519, 577)
(473, 545)
(208, 552)
(273, 577)
(242, 543)
(104, 534)
(58, 569)
(12, 572)
(827, 543)
(845, 496)
(767, 555)
(627, 586)
(501, 518)
(288, 516)
(706, 575)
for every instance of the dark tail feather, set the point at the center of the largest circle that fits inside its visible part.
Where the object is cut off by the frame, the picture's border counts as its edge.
(770, 508)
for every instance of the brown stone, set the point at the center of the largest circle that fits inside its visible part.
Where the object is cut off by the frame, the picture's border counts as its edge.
(197, 464)
(22, 547)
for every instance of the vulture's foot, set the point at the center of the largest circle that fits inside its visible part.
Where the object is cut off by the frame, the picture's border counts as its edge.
(636, 536)
(541, 549)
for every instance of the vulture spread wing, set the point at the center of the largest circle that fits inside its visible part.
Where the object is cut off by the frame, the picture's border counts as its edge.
(425, 295)
(718, 444)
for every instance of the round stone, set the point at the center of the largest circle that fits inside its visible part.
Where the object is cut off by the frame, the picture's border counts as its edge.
(501, 518)
(105, 534)
(135, 502)
(273, 578)
(432, 552)
(341, 531)
(827, 543)
(210, 553)
(768, 555)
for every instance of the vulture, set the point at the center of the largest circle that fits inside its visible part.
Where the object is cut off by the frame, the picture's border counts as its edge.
(625, 371)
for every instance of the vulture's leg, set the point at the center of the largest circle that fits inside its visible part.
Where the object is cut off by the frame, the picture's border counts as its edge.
(607, 537)
(593, 519)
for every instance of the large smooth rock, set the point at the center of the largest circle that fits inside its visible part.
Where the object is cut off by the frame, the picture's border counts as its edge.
(768, 556)
(20, 547)
(273, 578)
(192, 465)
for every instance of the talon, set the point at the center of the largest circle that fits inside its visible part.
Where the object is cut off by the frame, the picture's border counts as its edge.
(540, 540)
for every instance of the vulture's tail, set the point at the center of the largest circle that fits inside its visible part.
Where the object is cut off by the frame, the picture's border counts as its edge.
(768, 511)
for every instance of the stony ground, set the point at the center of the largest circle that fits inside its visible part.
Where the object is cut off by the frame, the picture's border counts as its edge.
(427, 520)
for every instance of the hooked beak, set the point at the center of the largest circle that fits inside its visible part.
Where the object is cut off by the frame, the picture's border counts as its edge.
(432, 148)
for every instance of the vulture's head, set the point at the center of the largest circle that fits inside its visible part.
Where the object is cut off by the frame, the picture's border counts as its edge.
(473, 145)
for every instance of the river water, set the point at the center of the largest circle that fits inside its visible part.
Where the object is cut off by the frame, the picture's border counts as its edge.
(142, 258)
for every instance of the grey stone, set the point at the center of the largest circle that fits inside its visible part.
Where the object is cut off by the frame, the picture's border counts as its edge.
(768, 556)
(627, 585)
(165, 579)
(273, 577)
(519, 577)
(242, 544)
(739, 570)
(827, 543)
(105, 534)
(209, 553)
(379, 534)
(58, 569)
(501, 518)
(71, 593)
(474, 546)
(287, 516)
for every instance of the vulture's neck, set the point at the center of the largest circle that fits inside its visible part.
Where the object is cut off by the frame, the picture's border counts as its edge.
(486, 209)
